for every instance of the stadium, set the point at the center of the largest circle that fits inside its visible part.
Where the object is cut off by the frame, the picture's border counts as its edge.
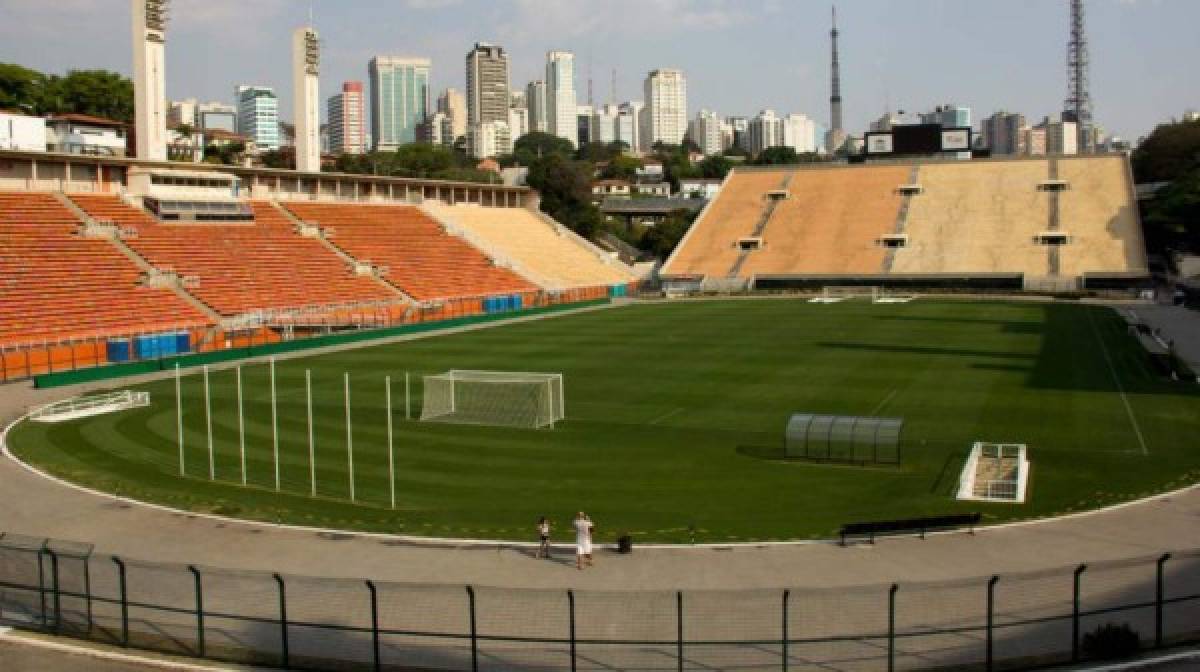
(905, 412)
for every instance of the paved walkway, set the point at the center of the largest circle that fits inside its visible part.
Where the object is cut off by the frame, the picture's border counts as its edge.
(32, 505)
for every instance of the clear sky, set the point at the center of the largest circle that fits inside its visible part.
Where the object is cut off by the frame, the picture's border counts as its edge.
(739, 56)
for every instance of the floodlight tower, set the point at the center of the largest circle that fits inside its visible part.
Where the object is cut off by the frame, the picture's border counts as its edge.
(306, 59)
(149, 78)
(1078, 106)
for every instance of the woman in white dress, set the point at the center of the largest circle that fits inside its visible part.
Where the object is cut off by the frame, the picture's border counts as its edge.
(583, 540)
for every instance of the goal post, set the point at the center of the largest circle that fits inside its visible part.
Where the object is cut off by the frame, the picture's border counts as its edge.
(838, 293)
(498, 398)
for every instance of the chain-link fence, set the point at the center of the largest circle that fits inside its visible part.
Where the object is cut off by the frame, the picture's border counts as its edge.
(1009, 621)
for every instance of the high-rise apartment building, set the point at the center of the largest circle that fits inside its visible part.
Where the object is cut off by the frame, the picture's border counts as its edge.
(604, 124)
(399, 99)
(561, 110)
(705, 131)
(182, 112)
(347, 120)
(518, 122)
(628, 124)
(583, 124)
(740, 127)
(666, 104)
(1001, 132)
(535, 102)
(948, 116)
(1062, 136)
(487, 84)
(453, 104)
(765, 130)
(258, 116)
(489, 139)
(800, 133)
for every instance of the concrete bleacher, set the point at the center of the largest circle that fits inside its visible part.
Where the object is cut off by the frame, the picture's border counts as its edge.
(1099, 213)
(241, 267)
(710, 247)
(1047, 222)
(414, 252)
(560, 259)
(830, 222)
(977, 217)
(56, 285)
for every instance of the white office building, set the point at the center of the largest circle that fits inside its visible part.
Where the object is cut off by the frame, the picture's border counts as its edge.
(629, 126)
(258, 116)
(604, 124)
(801, 134)
(666, 108)
(489, 139)
(518, 122)
(561, 109)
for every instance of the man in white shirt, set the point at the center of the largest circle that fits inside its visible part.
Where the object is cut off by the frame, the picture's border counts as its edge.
(583, 540)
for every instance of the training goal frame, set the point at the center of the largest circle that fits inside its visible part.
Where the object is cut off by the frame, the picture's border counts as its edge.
(529, 400)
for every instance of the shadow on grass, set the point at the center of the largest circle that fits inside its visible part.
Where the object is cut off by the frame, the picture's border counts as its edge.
(1006, 326)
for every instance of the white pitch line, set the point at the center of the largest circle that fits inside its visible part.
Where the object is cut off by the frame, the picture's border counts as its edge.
(879, 407)
(1116, 379)
(666, 415)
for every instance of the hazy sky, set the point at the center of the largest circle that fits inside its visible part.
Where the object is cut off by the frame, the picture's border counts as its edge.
(739, 56)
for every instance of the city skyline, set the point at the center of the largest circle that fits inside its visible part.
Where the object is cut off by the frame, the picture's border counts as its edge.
(1140, 50)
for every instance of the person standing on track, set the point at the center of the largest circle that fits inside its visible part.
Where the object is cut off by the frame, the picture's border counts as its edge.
(583, 540)
(543, 529)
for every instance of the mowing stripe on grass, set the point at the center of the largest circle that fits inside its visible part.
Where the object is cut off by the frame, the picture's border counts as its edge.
(1117, 380)
(666, 415)
(886, 400)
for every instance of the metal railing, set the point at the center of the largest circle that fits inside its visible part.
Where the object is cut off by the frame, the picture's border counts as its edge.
(991, 622)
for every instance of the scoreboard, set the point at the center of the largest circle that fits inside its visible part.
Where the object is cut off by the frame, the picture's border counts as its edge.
(917, 140)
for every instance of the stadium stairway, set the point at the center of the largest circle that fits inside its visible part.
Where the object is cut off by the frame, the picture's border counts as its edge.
(239, 268)
(412, 250)
(59, 285)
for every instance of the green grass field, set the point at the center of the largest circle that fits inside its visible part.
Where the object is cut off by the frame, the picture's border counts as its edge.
(666, 405)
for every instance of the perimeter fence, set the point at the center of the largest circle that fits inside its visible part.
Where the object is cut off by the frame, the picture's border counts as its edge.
(1003, 622)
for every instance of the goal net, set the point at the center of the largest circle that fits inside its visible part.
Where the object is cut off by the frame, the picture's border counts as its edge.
(500, 398)
(838, 293)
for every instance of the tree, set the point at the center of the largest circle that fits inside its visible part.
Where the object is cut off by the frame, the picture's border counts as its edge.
(1167, 153)
(565, 188)
(535, 145)
(776, 156)
(22, 88)
(597, 152)
(662, 238)
(622, 167)
(715, 167)
(99, 93)
(1172, 217)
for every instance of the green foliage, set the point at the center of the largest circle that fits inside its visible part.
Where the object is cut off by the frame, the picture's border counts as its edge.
(532, 146)
(417, 159)
(566, 190)
(676, 163)
(99, 93)
(1169, 152)
(229, 154)
(1172, 217)
(776, 156)
(715, 167)
(598, 152)
(283, 158)
(662, 238)
(621, 167)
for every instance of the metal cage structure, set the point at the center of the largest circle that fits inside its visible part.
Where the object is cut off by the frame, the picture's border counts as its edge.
(843, 438)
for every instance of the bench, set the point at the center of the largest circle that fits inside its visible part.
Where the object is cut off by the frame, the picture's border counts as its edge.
(922, 525)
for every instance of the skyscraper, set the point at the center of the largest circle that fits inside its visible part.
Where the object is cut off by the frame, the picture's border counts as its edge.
(258, 116)
(705, 131)
(535, 101)
(487, 84)
(399, 99)
(628, 125)
(453, 104)
(1002, 132)
(561, 109)
(347, 120)
(666, 103)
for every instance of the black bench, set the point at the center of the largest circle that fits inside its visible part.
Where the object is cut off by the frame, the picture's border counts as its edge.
(872, 529)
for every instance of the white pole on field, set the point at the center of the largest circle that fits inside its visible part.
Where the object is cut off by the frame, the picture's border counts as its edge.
(212, 469)
(312, 453)
(387, 382)
(407, 397)
(349, 436)
(241, 425)
(179, 419)
(274, 425)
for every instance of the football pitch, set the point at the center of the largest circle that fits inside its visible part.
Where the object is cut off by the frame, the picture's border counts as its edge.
(672, 413)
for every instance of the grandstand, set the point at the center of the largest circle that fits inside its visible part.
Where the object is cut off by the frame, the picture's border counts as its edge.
(58, 285)
(539, 248)
(411, 250)
(1033, 223)
(241, 267)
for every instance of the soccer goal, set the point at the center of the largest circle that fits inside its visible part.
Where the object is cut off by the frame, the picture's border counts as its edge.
(885, 295)
(500, 398)
(839, 293)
